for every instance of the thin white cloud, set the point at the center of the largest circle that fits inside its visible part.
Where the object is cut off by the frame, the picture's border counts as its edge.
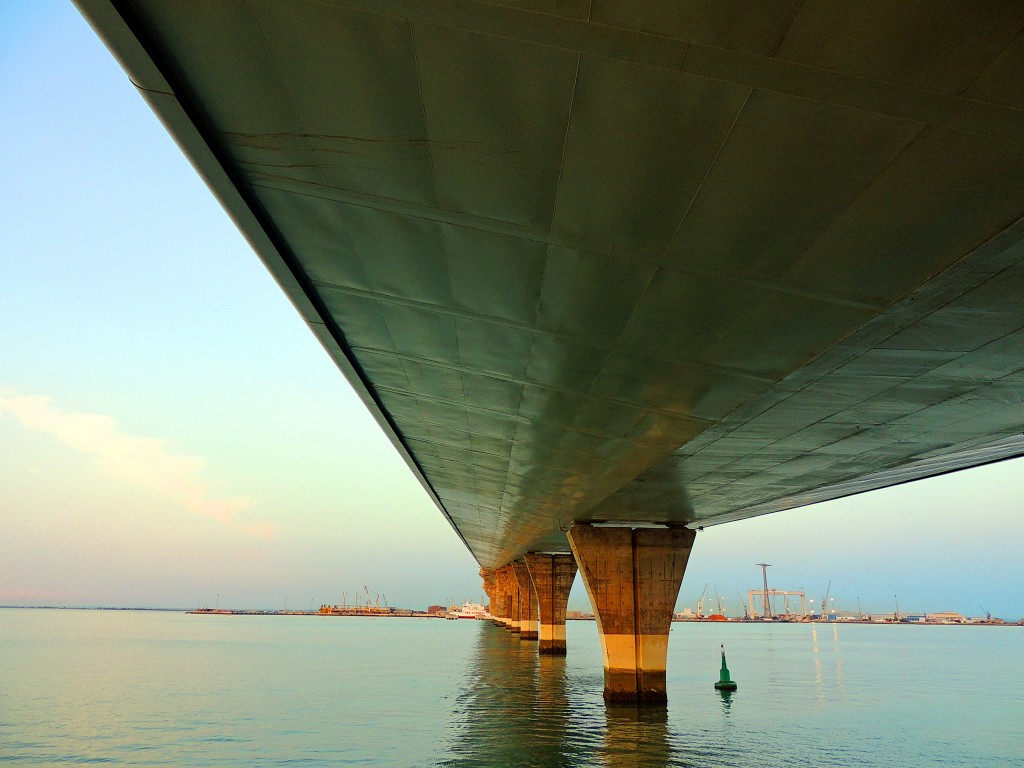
(143, 461)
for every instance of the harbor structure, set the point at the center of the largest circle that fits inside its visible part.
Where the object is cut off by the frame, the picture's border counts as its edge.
(766, 595)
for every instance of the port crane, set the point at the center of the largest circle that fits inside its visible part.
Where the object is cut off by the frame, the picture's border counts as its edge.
(765, 597)
(766, 603)
(746, 614)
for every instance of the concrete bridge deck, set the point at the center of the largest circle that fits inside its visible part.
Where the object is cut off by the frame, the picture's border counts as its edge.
(626, 261)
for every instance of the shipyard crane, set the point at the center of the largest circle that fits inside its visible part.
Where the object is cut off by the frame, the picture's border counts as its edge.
(700, 601)
(786, 593)
(767, 613)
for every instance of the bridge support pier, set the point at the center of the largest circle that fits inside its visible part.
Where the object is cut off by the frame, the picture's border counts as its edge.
(633, 577)
(487, 575)
(527, 602)
(498, 600)
(552, 577)
(503, 612)
(514, 597)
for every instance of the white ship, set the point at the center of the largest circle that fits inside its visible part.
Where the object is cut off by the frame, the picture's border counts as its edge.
(469, 611)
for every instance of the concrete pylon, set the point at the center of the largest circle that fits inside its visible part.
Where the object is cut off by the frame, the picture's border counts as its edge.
(513, 601)
(552, 577)
(487, 574)
(496, 598)
(503, 596)
(527, 602)
(633, 577)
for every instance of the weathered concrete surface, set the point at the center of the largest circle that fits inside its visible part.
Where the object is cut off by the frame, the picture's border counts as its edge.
(632, 576)
(794, 275)
(552, 576)
(514, 599)
(527, 601)
(487, 575)
(503, 597)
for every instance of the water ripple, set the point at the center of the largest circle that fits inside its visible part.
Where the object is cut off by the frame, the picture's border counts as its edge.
(162, 689)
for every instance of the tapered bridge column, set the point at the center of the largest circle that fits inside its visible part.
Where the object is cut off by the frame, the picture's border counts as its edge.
(487, 575)
(632, 576)
(552, 577)
(498, 600)
(513, 600)
(500, 611)
(503, 579)
(527, 602)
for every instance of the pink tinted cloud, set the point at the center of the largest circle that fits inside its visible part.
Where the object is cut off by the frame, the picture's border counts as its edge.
(143, 461)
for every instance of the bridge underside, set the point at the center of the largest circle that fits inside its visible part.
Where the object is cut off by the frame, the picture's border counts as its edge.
(617, 263)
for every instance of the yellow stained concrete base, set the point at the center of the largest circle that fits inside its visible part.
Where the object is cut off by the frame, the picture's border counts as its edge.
(653, 652)
(634, 668)
(552, 632)
(552, 639)
(619, 651)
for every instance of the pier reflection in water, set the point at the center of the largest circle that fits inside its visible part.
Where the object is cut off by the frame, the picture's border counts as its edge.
(636, 736)
(155, 689)
(519, 708)
(800, 702)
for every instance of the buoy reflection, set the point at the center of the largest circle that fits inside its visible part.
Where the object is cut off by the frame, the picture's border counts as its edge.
(726, 697)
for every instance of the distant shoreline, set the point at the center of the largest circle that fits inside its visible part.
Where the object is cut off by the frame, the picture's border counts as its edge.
(89, 608)
(417, 615)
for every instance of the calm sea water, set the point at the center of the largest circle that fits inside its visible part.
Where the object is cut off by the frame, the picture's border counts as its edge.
(154, 689)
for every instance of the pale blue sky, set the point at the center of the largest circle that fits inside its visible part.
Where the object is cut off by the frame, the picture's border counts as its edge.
(171, 432)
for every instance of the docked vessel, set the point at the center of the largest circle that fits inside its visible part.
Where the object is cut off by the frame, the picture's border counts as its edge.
(469, 611)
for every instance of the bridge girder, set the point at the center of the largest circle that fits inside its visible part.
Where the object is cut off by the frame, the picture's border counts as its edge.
(617, 265)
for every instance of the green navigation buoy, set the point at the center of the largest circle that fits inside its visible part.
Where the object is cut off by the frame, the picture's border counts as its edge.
(725, 683)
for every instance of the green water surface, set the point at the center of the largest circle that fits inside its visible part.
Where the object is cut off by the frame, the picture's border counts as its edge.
(162, 689)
